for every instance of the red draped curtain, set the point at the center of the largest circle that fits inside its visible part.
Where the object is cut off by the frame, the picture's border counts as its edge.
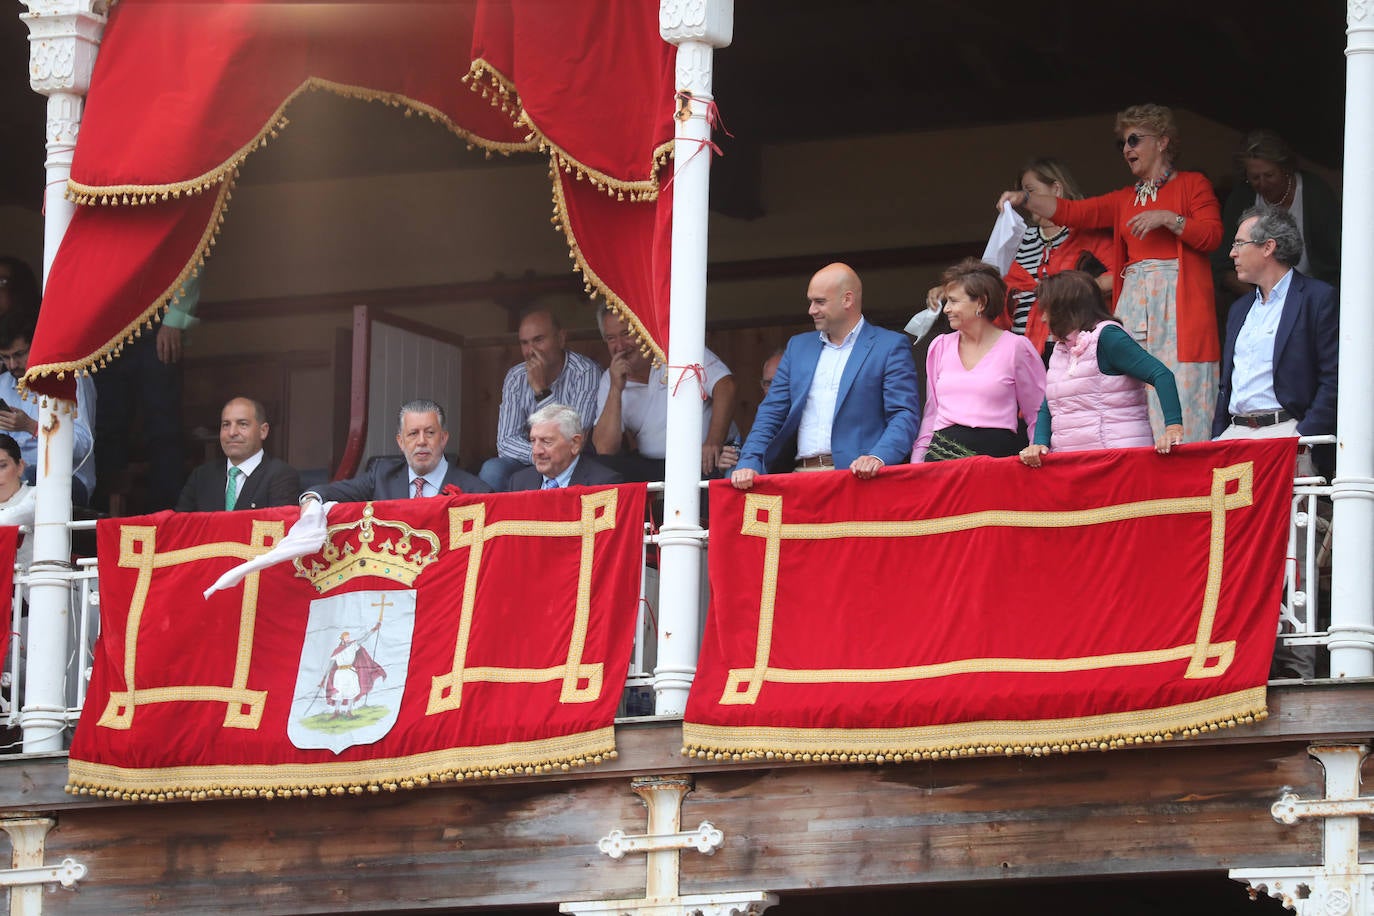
(183, 93)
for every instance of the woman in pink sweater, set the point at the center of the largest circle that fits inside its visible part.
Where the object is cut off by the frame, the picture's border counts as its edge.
(978, 377)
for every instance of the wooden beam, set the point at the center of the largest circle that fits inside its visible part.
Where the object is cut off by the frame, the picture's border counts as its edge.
(524, 289)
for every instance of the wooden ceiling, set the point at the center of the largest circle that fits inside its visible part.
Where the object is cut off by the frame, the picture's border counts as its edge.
(806, 69)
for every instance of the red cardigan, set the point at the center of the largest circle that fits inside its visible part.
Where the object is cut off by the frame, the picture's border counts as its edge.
(1189, 194)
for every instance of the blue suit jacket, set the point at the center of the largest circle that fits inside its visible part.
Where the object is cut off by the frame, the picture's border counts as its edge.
(876, 411)
(1305, 356)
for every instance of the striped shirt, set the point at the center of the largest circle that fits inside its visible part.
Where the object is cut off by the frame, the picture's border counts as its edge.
(1031, 255)
(575, 387)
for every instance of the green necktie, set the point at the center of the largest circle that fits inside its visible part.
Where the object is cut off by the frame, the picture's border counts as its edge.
(231, 490)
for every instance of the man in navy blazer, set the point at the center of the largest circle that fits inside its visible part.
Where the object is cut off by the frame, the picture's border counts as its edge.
(1279, 365)
(556, 450)
(259, 479)
(424, 470)
(842, 397)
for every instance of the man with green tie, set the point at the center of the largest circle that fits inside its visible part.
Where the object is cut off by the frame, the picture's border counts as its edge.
(248, 478)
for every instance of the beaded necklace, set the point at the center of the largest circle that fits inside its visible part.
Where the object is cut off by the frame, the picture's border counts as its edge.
(1147, 189)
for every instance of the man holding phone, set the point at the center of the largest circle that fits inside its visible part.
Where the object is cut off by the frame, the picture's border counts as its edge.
(19, 417)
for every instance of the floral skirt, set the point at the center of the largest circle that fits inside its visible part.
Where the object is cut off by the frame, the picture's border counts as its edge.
(1148, 309)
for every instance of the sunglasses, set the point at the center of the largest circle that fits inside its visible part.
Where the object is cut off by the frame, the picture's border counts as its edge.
(1132, 141)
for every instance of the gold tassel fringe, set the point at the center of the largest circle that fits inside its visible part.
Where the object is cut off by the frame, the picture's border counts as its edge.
(871, 746)
(101, 781)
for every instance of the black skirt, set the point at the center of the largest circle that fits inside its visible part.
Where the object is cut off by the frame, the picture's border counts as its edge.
(966, 441)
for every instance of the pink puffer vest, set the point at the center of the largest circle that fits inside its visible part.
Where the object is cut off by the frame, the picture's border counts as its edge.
(1089, 409)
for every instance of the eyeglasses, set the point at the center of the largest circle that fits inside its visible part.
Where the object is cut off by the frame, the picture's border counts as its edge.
(1238, 244)
(1132, 141)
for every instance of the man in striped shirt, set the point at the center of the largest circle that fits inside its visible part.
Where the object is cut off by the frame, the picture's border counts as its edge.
(550, 374)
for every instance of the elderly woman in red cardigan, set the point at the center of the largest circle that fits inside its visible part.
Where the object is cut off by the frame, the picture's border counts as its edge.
(1162, 227)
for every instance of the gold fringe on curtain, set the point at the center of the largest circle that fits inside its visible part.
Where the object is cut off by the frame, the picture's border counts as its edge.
(975, 739)
(480, 75)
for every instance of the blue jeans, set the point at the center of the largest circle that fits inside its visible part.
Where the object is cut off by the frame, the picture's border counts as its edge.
(496, 472)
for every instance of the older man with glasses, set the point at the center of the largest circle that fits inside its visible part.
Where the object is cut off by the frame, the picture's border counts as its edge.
(19, 417)
(1279, 364)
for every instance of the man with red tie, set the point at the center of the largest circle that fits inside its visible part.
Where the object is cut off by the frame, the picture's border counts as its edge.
(422, 470)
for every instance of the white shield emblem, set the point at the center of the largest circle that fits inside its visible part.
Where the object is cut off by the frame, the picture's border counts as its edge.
(353, 669)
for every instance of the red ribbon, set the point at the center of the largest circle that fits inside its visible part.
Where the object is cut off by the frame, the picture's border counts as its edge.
(684, 98)
(696, 369)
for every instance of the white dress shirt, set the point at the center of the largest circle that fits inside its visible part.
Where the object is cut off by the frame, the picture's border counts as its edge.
(818, 413)
(246, 467)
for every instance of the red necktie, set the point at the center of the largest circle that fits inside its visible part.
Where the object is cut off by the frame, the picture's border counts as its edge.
(419, 487)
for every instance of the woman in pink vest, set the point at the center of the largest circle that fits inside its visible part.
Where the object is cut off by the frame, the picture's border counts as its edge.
(1095, 390)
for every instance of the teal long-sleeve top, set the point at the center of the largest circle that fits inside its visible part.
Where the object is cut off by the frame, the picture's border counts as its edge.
(1119, 354)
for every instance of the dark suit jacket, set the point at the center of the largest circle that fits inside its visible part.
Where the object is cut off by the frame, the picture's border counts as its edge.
(274, 483)
(588, 473)
(388, 478)
(1305, 356)
(876, 411)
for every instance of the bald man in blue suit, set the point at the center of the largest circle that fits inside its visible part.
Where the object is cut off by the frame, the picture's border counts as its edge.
(844, 396)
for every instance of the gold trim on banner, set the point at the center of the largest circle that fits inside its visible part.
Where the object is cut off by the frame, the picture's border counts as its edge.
(299, 780)
(468, 528)
(763, 518)
(1037, 737)
(138, 550)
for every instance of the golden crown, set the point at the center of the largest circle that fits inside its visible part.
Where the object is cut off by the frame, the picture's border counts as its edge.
(369, 547)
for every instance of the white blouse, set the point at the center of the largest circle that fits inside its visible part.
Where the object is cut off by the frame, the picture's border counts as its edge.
(18, 510)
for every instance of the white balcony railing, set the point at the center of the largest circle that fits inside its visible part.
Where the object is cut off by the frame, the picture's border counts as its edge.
(1302, 619)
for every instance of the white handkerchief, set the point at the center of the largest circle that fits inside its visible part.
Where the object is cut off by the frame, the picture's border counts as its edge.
(1005, 239)
(920, 323)
(306, 536)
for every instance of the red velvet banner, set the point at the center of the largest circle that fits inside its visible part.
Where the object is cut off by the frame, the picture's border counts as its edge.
(9, 545)
(433, 639)
(183, 93)
(983, 607)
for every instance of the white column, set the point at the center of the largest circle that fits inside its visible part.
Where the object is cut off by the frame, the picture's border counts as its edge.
(663, 845)
(27, 836)
(696, 27)
(64, 36)
(662, 797)
(1340, 885)
(1352, 573)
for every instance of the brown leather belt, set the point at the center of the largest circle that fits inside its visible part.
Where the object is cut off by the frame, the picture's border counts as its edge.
(816, 461)
(1256, 420)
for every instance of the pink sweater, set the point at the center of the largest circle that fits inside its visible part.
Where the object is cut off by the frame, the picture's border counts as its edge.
(1009, 377)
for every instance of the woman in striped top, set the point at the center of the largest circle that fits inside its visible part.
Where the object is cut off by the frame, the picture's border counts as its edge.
(1048, 248)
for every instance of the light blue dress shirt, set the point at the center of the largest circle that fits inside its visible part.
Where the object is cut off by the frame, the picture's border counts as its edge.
(1252, 374)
